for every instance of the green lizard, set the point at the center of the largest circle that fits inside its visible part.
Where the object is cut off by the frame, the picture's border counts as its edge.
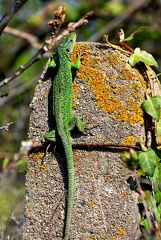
(62, 111)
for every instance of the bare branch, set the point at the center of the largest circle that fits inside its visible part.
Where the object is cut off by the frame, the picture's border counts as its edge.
(83, 145)
(13, 10)
(17, 90)
(105, 145)
(2, 95)
(147, 213)
(6, 127)
(21, 34)
(50, 42)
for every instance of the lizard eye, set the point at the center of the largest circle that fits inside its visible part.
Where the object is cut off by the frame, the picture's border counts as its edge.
(71, 40)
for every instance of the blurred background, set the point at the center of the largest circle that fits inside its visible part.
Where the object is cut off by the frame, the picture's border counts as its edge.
(108, 18)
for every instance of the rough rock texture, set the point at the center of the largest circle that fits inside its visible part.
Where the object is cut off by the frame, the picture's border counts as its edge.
(107, 95)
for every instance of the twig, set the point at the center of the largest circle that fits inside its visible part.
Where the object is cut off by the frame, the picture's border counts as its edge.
(49, 43)
(143, 201)
(13, 206)
(119, 46)
(6, 127)
(93, 145)
(12, 11)
(106, 145)
(17, 90)
(21, 34)
(2, 95)
(151, 82)
(153, 210)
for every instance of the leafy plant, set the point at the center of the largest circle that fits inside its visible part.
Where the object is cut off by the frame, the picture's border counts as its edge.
(152, 107)
(142, 56)
(141, 29)
(147, 163)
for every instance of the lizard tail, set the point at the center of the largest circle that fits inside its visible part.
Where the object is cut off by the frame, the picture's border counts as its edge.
(70, 201)
(71, 174)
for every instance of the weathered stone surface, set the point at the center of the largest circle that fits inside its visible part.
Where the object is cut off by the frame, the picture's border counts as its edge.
(107, 95)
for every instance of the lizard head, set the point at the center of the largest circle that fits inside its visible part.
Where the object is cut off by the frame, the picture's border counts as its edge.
(67, 43)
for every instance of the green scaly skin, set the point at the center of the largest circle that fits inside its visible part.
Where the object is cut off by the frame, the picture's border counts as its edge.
(62, 110)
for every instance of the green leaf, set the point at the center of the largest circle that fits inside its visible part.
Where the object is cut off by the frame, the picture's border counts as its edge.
(152, 206)
(131, 158)
(159, 166)
(158, 75)
(158, 213)
(158, 196)
(159, 127)
(147, 161)
(158, 156)
(155, 177)
(145, 224)
(147, 196)
(152, 107)
(142, 56)
(159, 208)
(5, 162)
(21, 165)
(137, 31)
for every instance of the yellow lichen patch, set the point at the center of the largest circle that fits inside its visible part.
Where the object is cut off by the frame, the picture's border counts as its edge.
(114, 59)
(101, 236)
(140, 78)
(121, 232)
(118, 88)
(39, 156)
(91, 176)
(46, 94)
(43, 167)
(113, 238)
(91, 204)
(129, 140)
(76, 90)
(128, 75)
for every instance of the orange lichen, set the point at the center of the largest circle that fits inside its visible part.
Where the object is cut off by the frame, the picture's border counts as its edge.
(114, 59)
(91, 204)
(101, 236)
(109, 89)
(121, 232)
(91, 176)
(43, 167)
(46, 94)
(129, 140)
(76, 90)
(39, 156)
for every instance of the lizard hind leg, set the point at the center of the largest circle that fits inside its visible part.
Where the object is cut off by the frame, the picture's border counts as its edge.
(77, 122)
(50, 136)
